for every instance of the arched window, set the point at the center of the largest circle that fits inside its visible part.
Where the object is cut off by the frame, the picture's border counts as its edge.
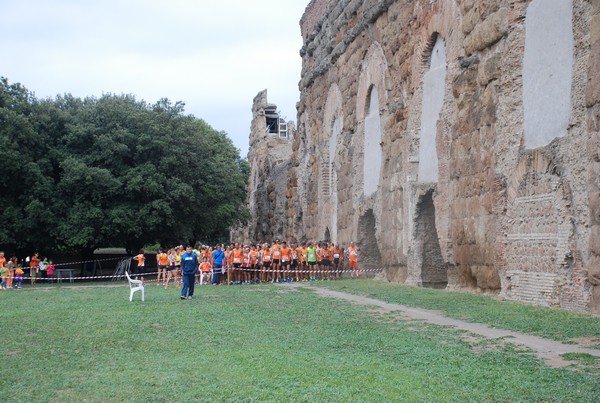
(434, 86)
(372, 153)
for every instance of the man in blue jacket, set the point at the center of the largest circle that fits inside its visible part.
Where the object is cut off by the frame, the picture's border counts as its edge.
(189, 267)
(217, 263)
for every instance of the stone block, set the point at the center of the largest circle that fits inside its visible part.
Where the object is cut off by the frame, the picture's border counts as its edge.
(595, 29)
(593, 270)
(592, 93)
(490, 31)
(470, 20)
(595, 208)
(595, 239)
(487, 278)
(489, 70)
(467, 5)
(595, 300)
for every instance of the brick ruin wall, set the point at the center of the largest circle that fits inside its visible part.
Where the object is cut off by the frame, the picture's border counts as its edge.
(460, 138)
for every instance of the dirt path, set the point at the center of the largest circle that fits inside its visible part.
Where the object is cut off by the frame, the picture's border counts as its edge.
(547, 350)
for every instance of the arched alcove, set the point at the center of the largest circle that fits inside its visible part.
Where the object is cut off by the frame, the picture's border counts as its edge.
(333, 122)
(371, 104)
(327, 235)
(370, 255)
(434, 86)
(434, 271)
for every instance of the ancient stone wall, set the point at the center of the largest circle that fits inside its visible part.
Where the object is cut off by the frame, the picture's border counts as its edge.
(455, 141)
(269, 157)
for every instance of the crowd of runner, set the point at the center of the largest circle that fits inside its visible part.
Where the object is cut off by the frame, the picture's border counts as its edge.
(235, 264)
(244, 264)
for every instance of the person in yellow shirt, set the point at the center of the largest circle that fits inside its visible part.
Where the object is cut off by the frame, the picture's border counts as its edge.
(19, 276)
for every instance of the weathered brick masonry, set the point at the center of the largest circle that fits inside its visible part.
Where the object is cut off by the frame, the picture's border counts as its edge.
(456, 141)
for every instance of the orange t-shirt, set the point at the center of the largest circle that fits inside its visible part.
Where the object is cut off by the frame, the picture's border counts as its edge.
(237, 255)
(353, 254)
(253, 256)
(205, 267)
(163, 259)
(285, 254)
(276, 252)
(2, 261)
(266, 256)
(34, 263)
(140, 259)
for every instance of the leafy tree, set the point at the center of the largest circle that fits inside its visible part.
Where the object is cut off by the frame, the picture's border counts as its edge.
(111, 171)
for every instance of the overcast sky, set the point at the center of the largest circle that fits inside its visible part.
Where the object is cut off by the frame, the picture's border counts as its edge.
(213, 55)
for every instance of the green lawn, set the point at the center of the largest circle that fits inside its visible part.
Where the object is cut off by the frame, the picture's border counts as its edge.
(256, 343)
(557, 324)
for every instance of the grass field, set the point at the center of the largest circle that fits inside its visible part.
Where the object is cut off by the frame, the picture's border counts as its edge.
(273, 343)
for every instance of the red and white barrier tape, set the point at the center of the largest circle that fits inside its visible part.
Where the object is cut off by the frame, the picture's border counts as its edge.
(58, 265)
(122, 276)
(315, 271)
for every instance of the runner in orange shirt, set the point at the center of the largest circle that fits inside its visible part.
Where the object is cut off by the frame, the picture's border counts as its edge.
(353, 259)
(338, 257)
(266, 263)
(286, 260)
(304, 262)
(34, 266)
(12, 267)
(237, 259)
(246, 265)
(325, 254)
(295, 261)
(276, 251)
(254, 267)
(162, 262)
(141, 259)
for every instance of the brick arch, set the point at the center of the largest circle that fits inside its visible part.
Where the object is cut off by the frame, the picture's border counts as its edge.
(539, 231)
(444, 20)
(374, 73)
(370, 110)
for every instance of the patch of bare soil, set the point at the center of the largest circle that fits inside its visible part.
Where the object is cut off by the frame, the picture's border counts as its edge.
(549, 351)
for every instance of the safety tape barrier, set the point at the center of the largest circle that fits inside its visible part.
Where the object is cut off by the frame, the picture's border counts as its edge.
(58, 265)
(122, 276)
(54, 279)
(317, 271)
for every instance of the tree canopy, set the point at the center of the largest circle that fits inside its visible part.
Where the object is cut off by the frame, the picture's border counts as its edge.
(112, 171)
